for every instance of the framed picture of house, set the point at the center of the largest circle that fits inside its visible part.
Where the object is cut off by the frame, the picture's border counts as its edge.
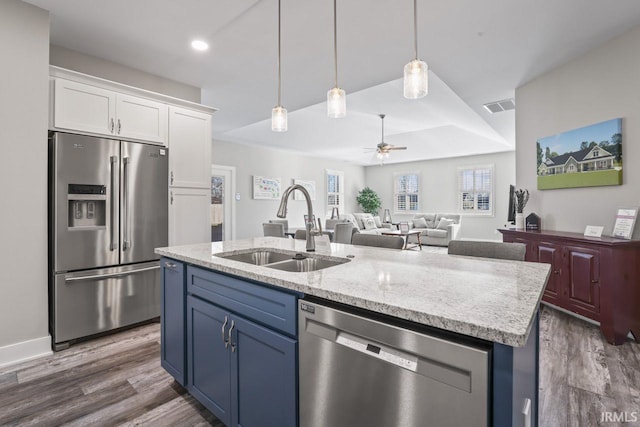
(590, 156)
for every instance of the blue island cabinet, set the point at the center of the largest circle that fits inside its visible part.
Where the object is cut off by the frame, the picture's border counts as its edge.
(239, 367)
(173, 319)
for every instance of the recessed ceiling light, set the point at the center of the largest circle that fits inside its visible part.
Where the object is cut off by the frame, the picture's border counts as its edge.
(199, 45)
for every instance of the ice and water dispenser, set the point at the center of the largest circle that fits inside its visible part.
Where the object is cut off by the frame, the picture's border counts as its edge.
(87, 206)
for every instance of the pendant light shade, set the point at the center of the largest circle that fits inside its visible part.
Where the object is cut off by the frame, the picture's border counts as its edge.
(279, 119)
(416, 72)
(336, 97)
(279, 113)
(336, 103)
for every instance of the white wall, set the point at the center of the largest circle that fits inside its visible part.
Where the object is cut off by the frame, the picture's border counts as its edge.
(600, 85)
(94, 66)
(439, 184)
(250, 161)
(24, 47)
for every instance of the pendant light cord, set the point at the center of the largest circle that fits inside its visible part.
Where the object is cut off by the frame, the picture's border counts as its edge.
(415, 27)
(335, 40)
(279, 67)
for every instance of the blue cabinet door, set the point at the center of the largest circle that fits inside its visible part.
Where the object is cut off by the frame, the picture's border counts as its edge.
(263, 386)
(209, 359)
(172, 320)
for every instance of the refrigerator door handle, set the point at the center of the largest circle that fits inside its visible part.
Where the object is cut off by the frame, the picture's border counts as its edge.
(112, 245)
(126, 244)
(110, 275)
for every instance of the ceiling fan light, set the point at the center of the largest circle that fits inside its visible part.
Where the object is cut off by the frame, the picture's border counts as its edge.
(379, 155)
(336, 103)
(279, 119)
(416, 80)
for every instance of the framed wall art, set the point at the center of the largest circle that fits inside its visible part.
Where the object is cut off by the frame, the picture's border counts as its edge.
(266, 188)
(590, 156)
(310, 186)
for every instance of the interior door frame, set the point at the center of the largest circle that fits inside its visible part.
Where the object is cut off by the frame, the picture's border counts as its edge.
(231, 202)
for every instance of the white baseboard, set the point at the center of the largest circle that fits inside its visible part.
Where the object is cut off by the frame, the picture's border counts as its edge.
(25, 350)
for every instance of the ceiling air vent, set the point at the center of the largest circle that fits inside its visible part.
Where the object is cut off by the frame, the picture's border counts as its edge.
(498, 106)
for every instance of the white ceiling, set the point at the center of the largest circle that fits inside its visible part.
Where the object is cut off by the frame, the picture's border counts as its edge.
(478, 52)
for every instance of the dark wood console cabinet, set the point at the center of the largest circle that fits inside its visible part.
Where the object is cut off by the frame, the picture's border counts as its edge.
(598, 278)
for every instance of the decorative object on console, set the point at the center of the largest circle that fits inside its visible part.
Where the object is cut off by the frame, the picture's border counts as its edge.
(522, 197)
(369, 201)
(532, 222)
(386, 216)
(593, 231)
(625, 222)
(582, 161)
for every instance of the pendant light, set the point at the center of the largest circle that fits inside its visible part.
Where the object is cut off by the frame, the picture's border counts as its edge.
(336, 97)
(279, 113)
(415, 72)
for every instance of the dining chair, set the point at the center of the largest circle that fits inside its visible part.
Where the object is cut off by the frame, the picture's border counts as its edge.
(342, 232)
(284, 222)
(497, 250)
(391, 242)
(273, 230)
(300, 235)
(330, 224)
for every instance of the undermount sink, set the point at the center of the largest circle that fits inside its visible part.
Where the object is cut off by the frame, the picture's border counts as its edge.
(285, 261)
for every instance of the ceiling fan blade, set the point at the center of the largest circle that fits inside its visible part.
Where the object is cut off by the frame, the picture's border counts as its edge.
(397, 148)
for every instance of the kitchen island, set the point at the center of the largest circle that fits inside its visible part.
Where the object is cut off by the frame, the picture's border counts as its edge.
(486, 301)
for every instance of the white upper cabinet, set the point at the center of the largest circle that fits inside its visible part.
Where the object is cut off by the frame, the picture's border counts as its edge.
(189, 215)
(189, 148)
(86, 108)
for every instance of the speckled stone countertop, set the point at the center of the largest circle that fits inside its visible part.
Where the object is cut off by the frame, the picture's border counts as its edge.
(494, 300)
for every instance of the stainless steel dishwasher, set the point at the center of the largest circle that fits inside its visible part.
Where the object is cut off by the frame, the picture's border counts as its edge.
(357, 371)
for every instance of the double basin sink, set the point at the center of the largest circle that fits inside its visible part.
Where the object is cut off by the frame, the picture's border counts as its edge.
(284, 260)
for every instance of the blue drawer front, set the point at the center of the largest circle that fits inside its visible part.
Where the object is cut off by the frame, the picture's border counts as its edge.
(259, 303)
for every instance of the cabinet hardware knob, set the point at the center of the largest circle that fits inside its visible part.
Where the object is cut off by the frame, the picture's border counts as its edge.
(169, 265)
(595, 281)
(224, 325)
(119, 126)
(171, 177)
(556, 271)
(113, 125)
(233, 347)
(172, 197)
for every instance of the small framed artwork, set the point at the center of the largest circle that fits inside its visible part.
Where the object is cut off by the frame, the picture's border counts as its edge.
(310, 186)
(625, 221)
(265, 187)
(593, 231)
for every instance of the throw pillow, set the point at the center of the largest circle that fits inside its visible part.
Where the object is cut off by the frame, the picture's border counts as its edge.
(369, 223)
(378, 221)
(419, 223)
(444, 223)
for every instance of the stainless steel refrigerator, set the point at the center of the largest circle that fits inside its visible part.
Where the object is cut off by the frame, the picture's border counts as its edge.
(107, 212)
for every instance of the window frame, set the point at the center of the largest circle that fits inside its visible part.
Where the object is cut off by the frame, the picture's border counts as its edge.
(339, 193)
(477, 190)
(397, 193)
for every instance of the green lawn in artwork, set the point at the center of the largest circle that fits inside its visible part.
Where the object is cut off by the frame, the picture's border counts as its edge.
(582, 179)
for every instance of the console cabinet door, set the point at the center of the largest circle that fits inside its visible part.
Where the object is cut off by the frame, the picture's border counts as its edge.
(142, 119)
(172, 320)
(82, 107)
(209, 359)
(550, 253)
(264, 377)
(583, 280)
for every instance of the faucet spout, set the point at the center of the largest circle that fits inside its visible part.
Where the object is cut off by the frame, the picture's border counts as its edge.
(282, 213)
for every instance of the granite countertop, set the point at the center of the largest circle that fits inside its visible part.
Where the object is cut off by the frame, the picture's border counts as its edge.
(494, 300)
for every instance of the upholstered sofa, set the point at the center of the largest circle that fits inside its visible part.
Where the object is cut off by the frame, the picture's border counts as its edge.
(438, 229)
(366, 223)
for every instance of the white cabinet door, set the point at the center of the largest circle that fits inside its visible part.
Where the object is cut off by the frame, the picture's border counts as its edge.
(189, 216)
(82, 107)
(189, 148)
(140, 118)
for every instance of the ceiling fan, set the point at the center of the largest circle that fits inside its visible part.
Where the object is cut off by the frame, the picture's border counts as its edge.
(383, 149)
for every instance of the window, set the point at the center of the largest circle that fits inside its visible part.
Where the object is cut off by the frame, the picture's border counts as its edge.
(475, 190)
(406, 193)
(335, 190)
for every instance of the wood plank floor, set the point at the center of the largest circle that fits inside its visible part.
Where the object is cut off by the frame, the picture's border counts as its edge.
(117, 380)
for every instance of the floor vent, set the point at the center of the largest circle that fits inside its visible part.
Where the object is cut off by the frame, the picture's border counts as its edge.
(498, 106)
